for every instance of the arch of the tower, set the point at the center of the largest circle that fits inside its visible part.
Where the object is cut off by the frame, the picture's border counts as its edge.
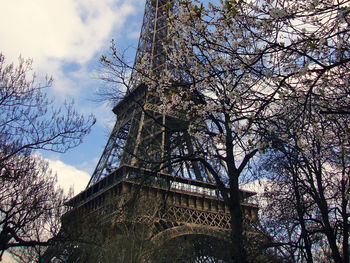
(191, 243)
(168, 234)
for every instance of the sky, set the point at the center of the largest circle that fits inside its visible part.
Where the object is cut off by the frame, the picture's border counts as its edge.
(65, 39)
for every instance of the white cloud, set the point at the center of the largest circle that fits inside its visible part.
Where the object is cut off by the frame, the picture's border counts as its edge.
(59, 31)
(68, 176)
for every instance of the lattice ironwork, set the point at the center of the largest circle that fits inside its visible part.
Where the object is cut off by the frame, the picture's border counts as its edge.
(188, 230)
(198, 217)
(144, 136)
(168, 214)
(153, 33)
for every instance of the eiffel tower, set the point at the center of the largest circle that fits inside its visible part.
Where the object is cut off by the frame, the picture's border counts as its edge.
(137, 159)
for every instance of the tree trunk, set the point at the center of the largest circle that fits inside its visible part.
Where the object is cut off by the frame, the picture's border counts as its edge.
(322, 205)
(299, 208)
(345, 203)
(238, 253)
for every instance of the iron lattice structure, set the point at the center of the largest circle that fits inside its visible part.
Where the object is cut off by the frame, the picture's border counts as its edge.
(143, 136)
(136, 159)
(169, 207)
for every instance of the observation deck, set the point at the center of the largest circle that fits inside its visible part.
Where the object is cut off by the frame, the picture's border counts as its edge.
(177, 193)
